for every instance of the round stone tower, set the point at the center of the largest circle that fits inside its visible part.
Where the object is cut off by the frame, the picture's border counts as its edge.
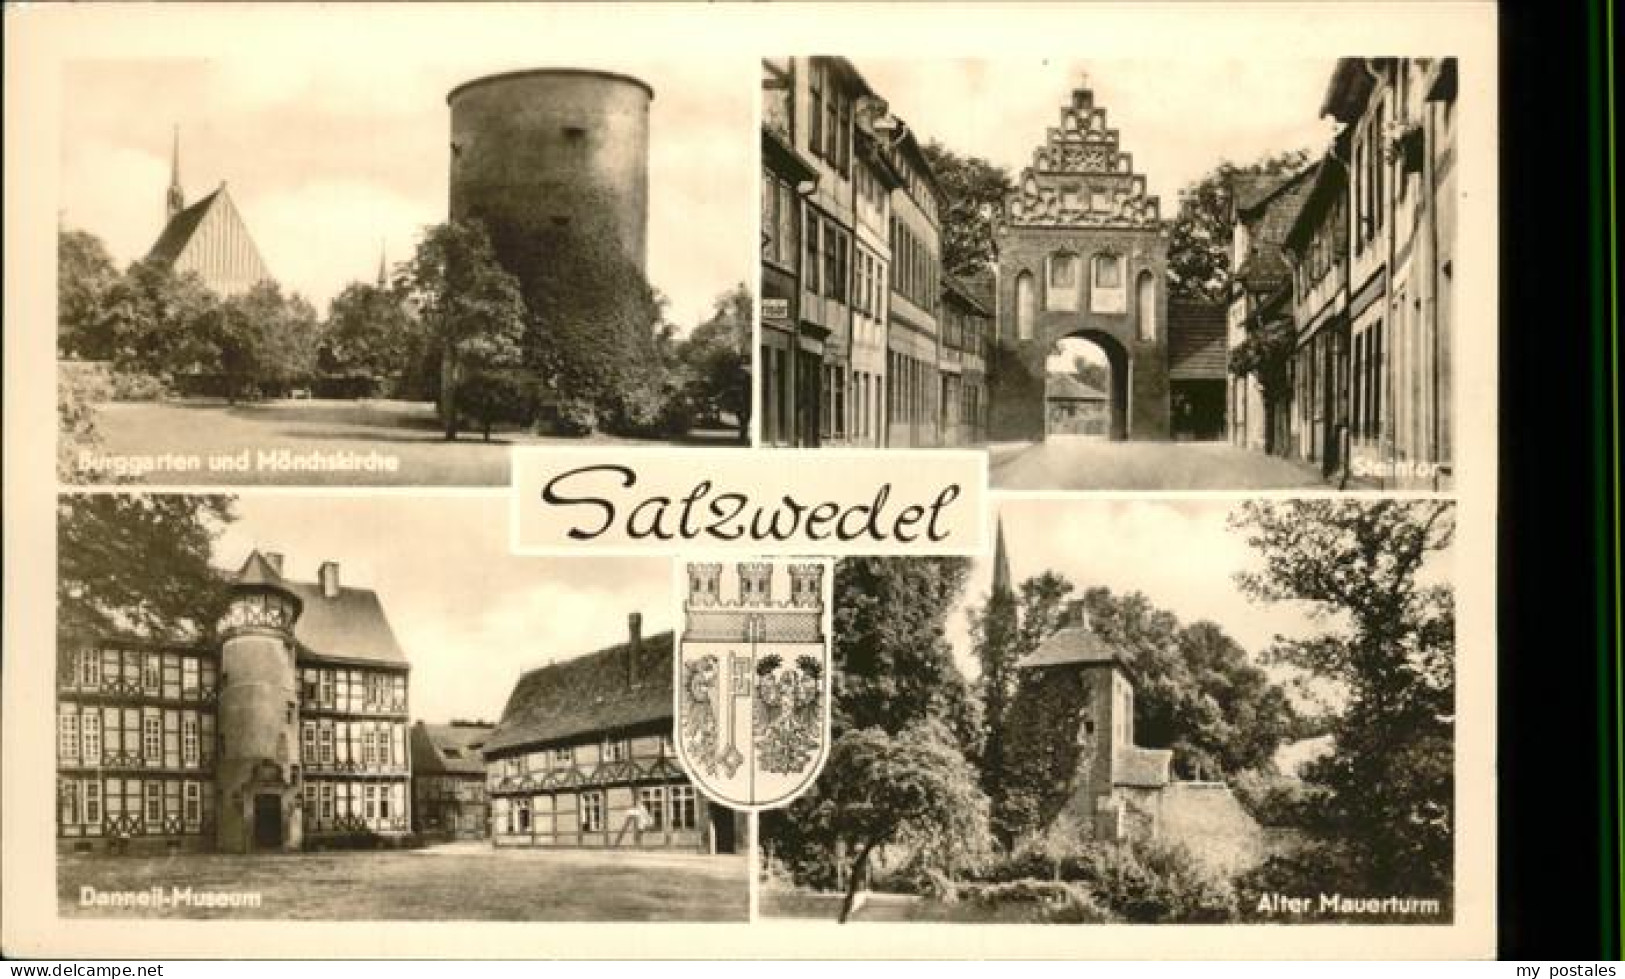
(257, 774)
(554, 147)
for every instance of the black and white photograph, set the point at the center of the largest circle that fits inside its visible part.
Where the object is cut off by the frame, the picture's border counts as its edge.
(1150, 274)
(424, 265)
(1080, 730)
(267, 710)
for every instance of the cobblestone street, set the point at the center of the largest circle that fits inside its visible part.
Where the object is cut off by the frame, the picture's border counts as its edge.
(1075, 463)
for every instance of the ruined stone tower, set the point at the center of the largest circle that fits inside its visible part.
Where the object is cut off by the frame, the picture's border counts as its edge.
(258, 770)
(554, 147)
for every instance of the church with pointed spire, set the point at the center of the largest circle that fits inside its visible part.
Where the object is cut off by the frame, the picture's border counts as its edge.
(208, 237)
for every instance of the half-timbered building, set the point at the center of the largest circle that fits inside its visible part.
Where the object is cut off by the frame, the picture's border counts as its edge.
(583, 757)
(449, 800)
(285, 727)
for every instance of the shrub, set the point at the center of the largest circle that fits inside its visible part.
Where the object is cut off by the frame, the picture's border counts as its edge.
(1279, 800)
(574, 416)
(1152, 881)
(136, 386)
(1039, 901)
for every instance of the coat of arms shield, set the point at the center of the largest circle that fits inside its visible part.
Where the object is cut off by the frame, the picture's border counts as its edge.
(753, 680)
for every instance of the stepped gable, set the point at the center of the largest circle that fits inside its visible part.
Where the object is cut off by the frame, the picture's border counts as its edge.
(1081, 178)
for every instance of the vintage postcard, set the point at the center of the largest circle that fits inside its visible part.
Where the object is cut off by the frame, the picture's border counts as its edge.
(800, 481)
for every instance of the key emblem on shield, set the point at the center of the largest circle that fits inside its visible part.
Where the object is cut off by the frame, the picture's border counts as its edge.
(753, 679)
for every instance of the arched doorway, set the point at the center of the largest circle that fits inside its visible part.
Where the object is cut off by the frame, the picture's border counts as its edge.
(1086, 384)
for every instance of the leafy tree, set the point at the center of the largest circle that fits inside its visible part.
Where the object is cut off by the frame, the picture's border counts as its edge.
(1092, 373)
(976, 192)
(158, 323)
(893, 667)
(369, 330)
(593, 329)
(1196, 692)
(85, 273)
(264, 341)
(470, 306)
(137, 563)
(914, 788)
(716, 359)
(1199, 238)
(1390, 647)
(894, 672)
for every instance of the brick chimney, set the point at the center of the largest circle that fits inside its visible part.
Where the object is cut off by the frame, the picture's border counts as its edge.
(328, 575)
(634, 646)
(274, 559)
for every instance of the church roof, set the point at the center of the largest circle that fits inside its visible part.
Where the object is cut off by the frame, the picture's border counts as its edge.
(449, 749)
(1073, 644)
(614, 688)
(211, 239)
(1070, 388)
(178, 232)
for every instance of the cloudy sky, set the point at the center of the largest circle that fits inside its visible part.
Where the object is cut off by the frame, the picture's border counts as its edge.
(331, 159)
(470, 616)
(1179, 553)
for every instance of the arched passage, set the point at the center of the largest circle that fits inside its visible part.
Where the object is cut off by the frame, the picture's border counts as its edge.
(1086, 387)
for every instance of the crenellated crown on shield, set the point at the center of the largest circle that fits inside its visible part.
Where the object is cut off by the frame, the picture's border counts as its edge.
(753, 679)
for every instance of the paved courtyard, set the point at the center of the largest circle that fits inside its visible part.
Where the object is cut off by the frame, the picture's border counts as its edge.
(455, 882)
(162, 438)
(1080, 463)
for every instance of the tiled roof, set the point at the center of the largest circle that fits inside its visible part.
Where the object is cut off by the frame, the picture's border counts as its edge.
(600, 691)
(1076, 644)
(1141, 767)
(449, 749)
(349, 626)
(1196, 341)
(179, 230)
(1068, 387)
(1269, 212)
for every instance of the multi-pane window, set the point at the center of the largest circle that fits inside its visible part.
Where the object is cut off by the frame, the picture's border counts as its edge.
(521, 815)
(810, 267)
(152, 674)
(153, 797)
(192, 808)
(307, 743)
(682, 807)
(172, 676)
(93, 801)
(564, 757)
(90, 668)
(152, 737)
(592, 812)
(90, 736)
(189, 676)
(325, 813)
(614, 749)
(67, 739)
(653, 800)
(325, 743)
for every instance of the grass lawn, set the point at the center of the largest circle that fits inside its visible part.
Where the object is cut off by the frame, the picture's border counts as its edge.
(456, 882)
(777, 903)
(404, 431)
